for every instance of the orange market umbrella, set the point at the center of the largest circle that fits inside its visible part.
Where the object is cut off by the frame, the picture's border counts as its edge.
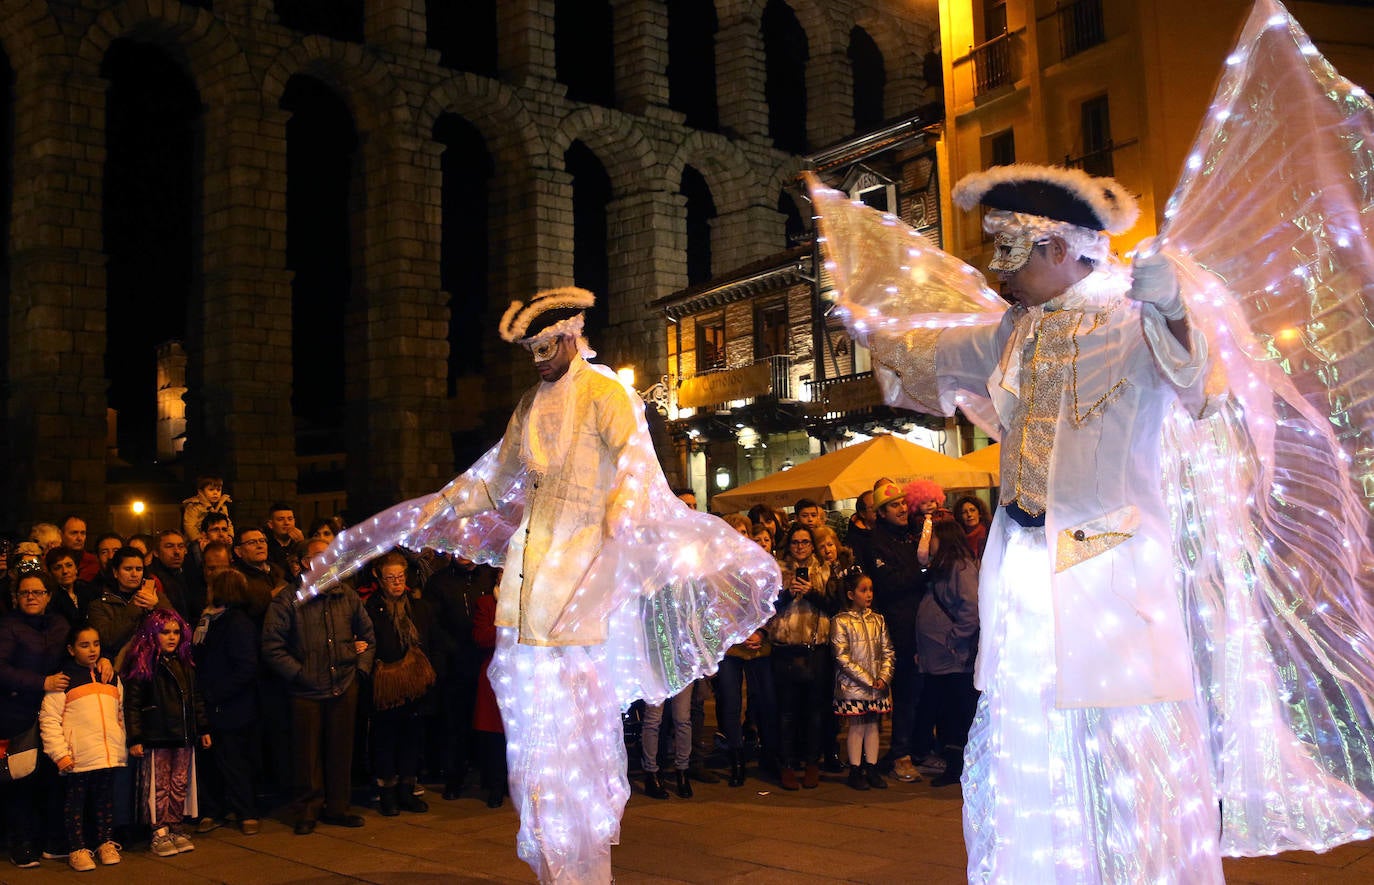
(849, 472)
(987, 459)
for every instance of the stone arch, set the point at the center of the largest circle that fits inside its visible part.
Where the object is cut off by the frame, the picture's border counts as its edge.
(30, 34)
(726, 169)
(495, 110)
(378, 103)
(196, 39)
(818, 23)
(783, 175)
(903, 52)
(621, 146)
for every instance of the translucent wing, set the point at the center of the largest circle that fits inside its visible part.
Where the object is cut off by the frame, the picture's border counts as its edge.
(1271, 227)
(893, 287)
(889, 278)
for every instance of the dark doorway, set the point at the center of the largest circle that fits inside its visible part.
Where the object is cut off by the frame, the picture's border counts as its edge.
(784, 43)
(692, 62)
(321, 162)
(870, 79)
(467, 170)
(591, 265)
(464, 33)
(584, 50)
(701, 211)
(150, 226)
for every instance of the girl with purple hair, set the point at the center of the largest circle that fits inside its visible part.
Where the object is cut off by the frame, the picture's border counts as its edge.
(164, 716)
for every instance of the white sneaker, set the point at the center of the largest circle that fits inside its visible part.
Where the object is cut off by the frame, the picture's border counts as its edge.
(182, 843)
(108, 853)
(81, 860)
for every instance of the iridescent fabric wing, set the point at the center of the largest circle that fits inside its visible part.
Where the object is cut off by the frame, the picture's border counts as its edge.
(481, 538)
(890, 279)
(1271, 227)
(893, 286)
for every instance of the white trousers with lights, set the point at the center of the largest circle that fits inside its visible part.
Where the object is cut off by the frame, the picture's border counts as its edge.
(1086, 796)
(565, 748)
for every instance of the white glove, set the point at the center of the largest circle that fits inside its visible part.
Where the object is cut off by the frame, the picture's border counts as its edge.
(1153, 281)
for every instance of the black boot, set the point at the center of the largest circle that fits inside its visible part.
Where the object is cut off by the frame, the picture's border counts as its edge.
(653, 787)
(874, 778)
(684, 786)
(408, 801)
(388, 806)
(736, 768)
(856, 778)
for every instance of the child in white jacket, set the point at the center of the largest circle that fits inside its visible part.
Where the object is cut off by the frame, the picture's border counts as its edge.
(83, 731)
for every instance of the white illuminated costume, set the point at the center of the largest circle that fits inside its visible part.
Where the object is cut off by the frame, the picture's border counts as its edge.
(613, 590)
(1177, 665)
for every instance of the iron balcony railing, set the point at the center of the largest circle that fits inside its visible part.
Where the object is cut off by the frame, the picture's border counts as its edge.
(1100, 160)
(992, 64)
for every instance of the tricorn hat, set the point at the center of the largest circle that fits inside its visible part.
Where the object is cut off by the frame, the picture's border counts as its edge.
(550, 312)
(1068, 195)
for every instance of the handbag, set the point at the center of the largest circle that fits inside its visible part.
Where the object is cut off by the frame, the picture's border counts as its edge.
(19, 754)
(400, 681)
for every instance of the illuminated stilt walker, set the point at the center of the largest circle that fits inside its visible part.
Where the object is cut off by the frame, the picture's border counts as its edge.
(613, 589)
(1175, 654)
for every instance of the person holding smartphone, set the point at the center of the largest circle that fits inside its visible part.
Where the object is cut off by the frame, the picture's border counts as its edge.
(800, 633)
(127, 595)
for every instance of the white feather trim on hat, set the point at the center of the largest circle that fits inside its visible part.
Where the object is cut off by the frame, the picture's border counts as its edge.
(518, 317)
(1106, 197)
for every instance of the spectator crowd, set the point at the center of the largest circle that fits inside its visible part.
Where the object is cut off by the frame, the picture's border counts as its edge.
(177, 682)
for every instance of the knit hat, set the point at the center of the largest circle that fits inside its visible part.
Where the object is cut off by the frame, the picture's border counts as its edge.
(885, 491)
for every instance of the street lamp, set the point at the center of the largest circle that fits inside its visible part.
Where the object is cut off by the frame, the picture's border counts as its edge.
(138, 507)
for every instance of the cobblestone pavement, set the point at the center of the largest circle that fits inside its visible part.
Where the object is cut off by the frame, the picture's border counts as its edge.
(755, 834)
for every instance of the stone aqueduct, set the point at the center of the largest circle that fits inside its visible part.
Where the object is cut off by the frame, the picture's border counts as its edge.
(240, 59)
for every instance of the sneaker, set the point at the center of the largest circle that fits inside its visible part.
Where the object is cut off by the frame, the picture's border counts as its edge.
(903, 770)
(249, 826)
(182, 843)
(23, 856)
(81, 860)
(206, 825)
(162, 844)
(418, 789)
(54, 854)
(108, 853)
(932, 764)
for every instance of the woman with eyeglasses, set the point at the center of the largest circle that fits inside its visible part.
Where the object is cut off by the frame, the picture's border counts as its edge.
(32, 643)
(800, 633)
(401, 681)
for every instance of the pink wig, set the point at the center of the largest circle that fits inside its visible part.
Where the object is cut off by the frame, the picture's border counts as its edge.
(141, 661)
(919, 491)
